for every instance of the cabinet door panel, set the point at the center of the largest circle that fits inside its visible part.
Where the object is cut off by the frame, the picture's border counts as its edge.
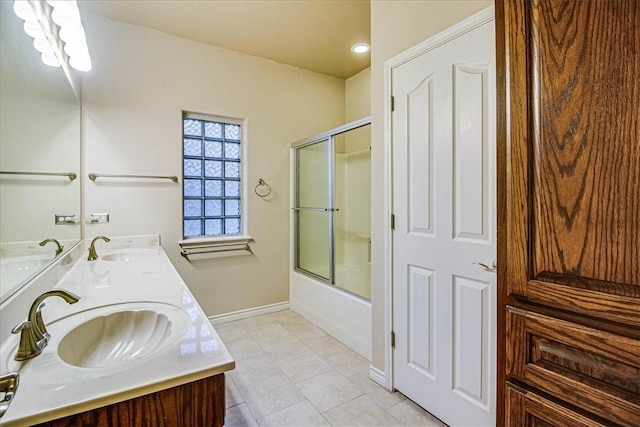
(573, 155)
(525, 409)
(592, 369)
(585, 63)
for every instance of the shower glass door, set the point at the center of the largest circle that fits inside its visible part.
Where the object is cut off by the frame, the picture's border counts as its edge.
(332, 207)
(352, 218)
(314, 208)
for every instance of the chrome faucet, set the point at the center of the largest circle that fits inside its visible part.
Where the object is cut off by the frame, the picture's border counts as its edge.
(33, 333)
(60, 247)
(93, 255)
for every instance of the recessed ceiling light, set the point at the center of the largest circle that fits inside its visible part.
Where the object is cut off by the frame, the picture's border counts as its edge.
(360, 48)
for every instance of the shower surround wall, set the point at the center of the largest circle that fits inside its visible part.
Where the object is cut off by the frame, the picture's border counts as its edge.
(353, 220)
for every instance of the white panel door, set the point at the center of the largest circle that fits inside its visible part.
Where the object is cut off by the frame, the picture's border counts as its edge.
(444, 305)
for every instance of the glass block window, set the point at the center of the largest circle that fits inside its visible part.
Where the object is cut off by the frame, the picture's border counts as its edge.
(211, 174)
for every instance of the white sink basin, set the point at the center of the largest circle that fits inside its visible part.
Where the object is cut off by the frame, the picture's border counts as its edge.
(128, 256)
(24, 265)
(115, 335)
(14, 271)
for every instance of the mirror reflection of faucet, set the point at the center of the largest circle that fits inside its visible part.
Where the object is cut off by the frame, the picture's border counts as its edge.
(58, 250)
(93, 255)
(33, 333)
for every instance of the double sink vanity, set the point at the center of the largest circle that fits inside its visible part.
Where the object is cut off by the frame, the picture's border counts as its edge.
(128, 345)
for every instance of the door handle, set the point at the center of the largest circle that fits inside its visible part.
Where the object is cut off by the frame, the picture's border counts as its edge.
(493, 268)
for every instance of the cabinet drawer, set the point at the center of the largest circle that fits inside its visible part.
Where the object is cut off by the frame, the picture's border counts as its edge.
(526, 409)
(589, 368)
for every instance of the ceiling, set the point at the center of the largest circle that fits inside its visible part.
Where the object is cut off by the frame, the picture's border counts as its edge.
(311, 34)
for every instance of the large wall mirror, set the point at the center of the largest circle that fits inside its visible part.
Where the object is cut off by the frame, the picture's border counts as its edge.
(39, 133)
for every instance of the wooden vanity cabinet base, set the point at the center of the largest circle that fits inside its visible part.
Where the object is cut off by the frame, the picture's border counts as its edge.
(199, 403)
(527, 409)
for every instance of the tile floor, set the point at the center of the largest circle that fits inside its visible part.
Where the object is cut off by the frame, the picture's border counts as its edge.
(291, 373)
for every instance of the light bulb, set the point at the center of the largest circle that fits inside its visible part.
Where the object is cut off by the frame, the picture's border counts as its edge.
(66, 15)
(33, 29)
(23, 9)
(360, 48)
(58, 3)
(70, 33)
(50, 59)
(42, 45)
(81, 63)
(74, 49)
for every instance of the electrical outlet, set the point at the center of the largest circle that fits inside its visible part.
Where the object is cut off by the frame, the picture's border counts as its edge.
(98, 218)
(65, 219)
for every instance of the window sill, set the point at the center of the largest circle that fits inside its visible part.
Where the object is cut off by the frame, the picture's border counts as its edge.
(213, 245)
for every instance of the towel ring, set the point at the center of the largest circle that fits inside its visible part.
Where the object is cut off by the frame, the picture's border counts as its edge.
(261, 183)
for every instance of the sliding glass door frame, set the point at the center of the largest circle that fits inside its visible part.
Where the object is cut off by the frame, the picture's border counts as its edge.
(328, 209)
(329, 138)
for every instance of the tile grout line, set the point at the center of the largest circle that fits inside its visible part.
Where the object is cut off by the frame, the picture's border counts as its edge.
(297, 323)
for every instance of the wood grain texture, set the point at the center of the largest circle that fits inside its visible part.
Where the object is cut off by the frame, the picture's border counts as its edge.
(605, 305)
(511, 162)
(585, 367)
(512, 147)
(199, 403)
(568, 210)
(527, 409)
(585, 117)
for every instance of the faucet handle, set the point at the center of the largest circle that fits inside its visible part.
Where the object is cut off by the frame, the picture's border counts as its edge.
(30, 346)
(21, 327)
(40, 323)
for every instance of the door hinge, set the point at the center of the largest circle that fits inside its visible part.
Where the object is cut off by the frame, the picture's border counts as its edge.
(393, 339)
(393, 103)
(393, 222)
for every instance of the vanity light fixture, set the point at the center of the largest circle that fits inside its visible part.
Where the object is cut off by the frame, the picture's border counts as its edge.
(32, 27)
(360, 48)
(57, 31)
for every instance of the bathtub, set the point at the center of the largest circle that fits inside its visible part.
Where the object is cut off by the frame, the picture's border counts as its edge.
(340, 313)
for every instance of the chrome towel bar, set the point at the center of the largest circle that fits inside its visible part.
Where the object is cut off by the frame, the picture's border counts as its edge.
(93, 176)
(316, 209)
(221, 248)
(70, 175)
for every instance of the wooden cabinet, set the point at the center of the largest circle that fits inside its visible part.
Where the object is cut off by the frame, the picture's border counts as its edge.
(569, 211)
(587, 367)
(527, 409)
(198, 403)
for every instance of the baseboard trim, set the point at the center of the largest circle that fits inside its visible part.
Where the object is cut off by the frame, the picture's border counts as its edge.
(249, 312)
(378, 376)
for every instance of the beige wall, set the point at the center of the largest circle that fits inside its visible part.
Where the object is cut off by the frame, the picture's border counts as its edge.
(358, 96)
(395, 27)
(133, 100)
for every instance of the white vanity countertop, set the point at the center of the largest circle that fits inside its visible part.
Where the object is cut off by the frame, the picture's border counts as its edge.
(50, 388)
